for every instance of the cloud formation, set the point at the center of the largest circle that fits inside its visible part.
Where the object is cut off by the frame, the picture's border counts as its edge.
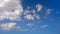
(39, 7)
(9, 26)
(13, 10)
(10, 9)
(29, 17)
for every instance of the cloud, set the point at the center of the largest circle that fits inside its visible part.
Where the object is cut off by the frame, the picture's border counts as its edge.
(29, 17)
(33, 11)
(13, 10)
(10, 9)
(9, 26)
(36, 16)
(26, 12)
(48, 11)
(31, 14)
(30, 24)
(39, 7)
(43, 26)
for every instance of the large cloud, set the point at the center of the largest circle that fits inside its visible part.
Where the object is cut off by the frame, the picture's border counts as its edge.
(9, 26)
(10, 9)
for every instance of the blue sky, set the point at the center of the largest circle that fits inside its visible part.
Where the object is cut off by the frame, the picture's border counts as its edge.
(30, 17)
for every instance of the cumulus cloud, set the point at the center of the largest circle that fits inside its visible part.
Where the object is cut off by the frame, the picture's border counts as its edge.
(39, 7)
(9, 26)
(31, 14)
(10, 9)
(29, 17)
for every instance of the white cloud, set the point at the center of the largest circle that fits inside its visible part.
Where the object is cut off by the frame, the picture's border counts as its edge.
(33, 11)
(43, 26)
(26, 12)
(48, 11)
(9, 26)
(10, 9)
(39, 7)
(31, 14)
(36, 16)
(30, 24)
(29, 17)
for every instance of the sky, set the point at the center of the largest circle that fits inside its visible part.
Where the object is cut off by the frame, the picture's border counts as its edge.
(29, 16)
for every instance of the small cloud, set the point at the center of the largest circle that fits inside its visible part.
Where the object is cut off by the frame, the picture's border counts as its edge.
(36, 16)
(30, 24)
(29, 17)
(9, 26)
(39, 7)
(27, 12)
(43, 26)
(33, 11)
(48, 11)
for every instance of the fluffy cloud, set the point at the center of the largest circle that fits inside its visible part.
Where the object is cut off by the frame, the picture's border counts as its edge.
(10, 9)
(9, 26)
(31, 14)
(39, 7)
(29, 17)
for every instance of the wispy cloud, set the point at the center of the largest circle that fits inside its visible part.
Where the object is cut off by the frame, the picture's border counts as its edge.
(48, 11)
(36, 16)
(30, 24)
(43, 26)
